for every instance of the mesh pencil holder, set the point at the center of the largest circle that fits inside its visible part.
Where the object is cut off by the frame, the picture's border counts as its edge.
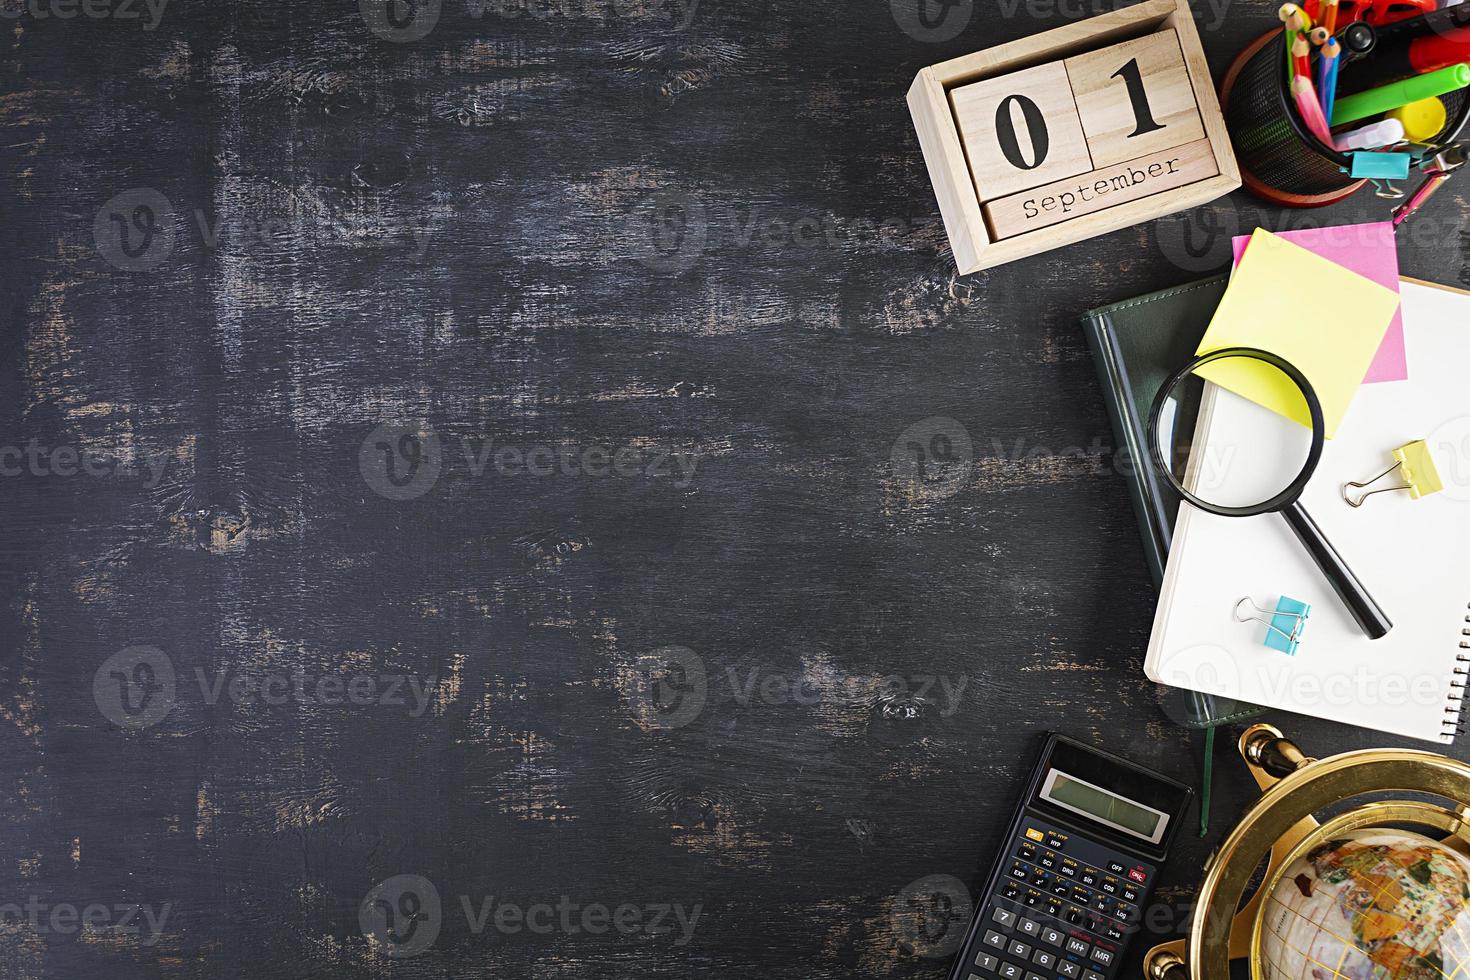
(1280, 160)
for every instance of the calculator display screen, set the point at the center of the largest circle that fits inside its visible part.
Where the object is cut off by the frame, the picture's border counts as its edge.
(1104, 806)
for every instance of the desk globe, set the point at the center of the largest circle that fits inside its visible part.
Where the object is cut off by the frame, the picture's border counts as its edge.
(1379, 890)
(1369, 905)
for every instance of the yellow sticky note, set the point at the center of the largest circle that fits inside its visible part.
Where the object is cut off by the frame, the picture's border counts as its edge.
(1319, 316)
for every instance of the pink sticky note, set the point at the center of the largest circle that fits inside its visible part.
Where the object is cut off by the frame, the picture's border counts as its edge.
(1368, 250)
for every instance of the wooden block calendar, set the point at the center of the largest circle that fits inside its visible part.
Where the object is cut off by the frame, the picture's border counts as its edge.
(1073, 133)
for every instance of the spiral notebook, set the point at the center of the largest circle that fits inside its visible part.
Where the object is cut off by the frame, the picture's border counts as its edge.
(1413, 556)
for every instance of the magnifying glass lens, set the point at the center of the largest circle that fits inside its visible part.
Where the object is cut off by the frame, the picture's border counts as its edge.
(1227, 450)
(1238, 432)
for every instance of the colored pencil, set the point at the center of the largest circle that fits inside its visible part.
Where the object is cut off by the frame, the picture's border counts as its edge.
(1329, 64)
(1299, 57)
(1311, 109)
(1291, 16)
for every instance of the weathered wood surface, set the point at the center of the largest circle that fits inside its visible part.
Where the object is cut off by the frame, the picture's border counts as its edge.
(616, 225)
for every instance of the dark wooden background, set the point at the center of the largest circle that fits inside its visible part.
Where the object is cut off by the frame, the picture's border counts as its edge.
(239, 240)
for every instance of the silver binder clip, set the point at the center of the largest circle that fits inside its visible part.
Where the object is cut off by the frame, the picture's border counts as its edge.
(1437, 170)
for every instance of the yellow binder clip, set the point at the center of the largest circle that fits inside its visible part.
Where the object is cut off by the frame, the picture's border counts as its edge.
(1416, 466)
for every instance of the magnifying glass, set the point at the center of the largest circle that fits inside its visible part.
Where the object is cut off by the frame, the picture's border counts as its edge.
(1257, 464)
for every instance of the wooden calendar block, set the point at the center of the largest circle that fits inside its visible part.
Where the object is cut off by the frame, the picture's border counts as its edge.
(1108, 187)
(1134, 98)
(1110, 166)
(1020, 130)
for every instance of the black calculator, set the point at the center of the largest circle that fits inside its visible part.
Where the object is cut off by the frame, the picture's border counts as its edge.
(1078, 864)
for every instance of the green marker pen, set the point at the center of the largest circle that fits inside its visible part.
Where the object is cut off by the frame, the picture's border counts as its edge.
(1351, 108)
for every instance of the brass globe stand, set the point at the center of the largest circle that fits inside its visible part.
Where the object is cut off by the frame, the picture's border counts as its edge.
(1282, 825)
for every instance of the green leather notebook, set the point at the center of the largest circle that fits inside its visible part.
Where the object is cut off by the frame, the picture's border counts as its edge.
(1137, 344)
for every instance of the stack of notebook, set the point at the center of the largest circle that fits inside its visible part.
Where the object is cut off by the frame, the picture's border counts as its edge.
(1413, 553)
(1136, 345)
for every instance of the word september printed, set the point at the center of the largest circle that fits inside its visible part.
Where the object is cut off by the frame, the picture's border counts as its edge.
(1131, 177)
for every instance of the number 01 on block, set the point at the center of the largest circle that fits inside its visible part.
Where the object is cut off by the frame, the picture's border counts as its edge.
(1093, 138)
(1079, 116)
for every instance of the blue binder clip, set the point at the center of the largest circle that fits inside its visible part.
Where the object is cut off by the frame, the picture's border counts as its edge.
(1284, 625)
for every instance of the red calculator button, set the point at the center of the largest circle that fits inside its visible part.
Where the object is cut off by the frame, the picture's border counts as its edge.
(1138, 876)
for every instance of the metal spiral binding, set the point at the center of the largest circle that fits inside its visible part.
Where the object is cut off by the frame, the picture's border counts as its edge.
(1452, 726)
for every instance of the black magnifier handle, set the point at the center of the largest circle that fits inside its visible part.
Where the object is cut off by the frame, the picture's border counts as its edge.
(1369, 615)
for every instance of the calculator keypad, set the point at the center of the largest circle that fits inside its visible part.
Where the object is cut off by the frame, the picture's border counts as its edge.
(1062, 911)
